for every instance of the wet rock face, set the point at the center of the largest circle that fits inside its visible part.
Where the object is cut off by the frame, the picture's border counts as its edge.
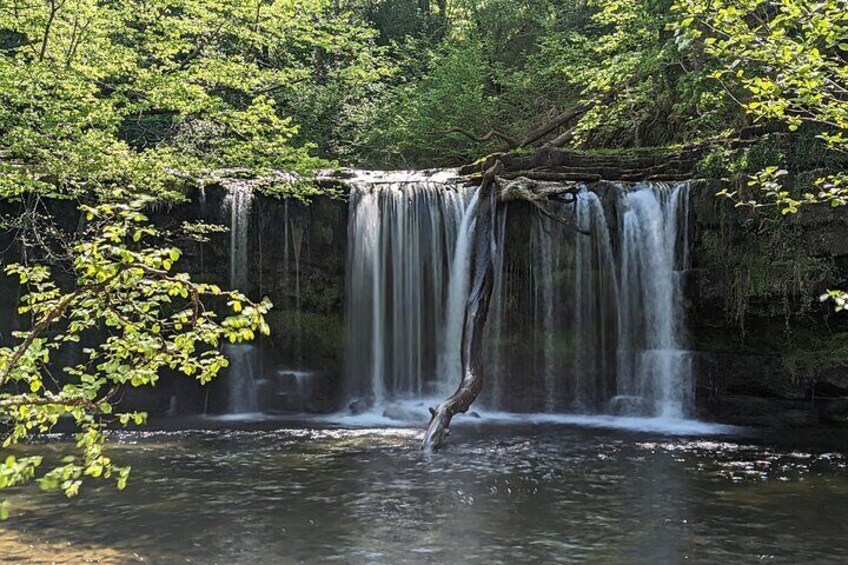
(747, 410)
(296, 257)
(763, 339)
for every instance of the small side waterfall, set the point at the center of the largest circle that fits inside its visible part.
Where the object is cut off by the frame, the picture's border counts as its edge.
(404, 267)
(241, 378)
(243, 358)
(297, 230)
(238, 201)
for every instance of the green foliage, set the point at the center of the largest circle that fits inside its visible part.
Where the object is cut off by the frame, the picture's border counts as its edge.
(122, 93)
(410, 123)
(511, 65)
(786, 59)
(135, 318)
(198, 84)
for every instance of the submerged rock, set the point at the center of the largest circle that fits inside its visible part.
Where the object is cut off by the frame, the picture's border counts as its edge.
(359, 406)
(623, 405)
(395, 413)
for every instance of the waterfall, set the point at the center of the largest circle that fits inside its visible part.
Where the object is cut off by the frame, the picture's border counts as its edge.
(298, 231)
(450, 369)
(544, 246)
(242, 397)
(577, 323)
(595, 300)
(495, 330)
(238, 201)
(243, 359)
(552, 323)
(653, 367)
(403, 231)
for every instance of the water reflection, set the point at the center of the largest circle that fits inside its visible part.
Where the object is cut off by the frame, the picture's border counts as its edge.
(543, 494)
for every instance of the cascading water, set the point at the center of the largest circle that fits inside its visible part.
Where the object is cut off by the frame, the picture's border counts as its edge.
(595, 298)
(553, 319)
(546, 308)
(450, 367)
(243, 359)
(238, 201)
(653, 368)
(403, 231)
(495, 330)
(578, 323)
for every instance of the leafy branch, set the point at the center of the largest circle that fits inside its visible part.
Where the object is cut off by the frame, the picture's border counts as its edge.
(136, 318)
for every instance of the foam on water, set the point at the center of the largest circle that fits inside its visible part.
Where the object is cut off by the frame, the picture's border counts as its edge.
(406, 413)
(239, 417)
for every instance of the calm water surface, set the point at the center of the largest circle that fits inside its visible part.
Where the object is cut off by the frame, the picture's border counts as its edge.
(500, 494)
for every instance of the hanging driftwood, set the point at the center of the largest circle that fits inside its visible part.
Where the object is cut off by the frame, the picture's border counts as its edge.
(493, 191)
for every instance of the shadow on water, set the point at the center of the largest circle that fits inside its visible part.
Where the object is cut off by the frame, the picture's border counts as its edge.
(503, 494)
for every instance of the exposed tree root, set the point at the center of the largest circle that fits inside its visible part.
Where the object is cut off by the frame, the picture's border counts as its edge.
(542, 195)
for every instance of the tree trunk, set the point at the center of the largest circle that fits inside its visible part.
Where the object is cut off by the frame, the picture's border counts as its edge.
(557, 122)
(492, 192)
(476, 311)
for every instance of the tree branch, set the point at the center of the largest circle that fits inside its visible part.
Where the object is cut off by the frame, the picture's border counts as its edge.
(511, 142)
(476, 311)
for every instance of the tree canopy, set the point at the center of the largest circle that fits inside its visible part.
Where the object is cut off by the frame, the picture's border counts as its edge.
(123, 93)
(783, 61)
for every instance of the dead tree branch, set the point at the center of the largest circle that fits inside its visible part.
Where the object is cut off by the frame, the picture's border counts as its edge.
(476, 311)
(509, 141)
(493, 192)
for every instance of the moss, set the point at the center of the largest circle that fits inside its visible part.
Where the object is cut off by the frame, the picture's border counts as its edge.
(713, 165)
(768, 151)
(807, 152)
(307, 335)
(624, 152)
(320, 292)
(821, 353)
(761, 268)
(722, 162)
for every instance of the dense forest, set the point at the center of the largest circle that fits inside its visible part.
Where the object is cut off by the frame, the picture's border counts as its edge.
(181, 85)
(124, 105)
